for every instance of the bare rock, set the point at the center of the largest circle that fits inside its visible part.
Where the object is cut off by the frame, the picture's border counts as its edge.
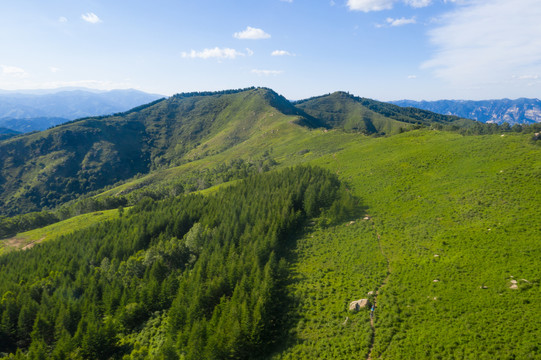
(358, 305)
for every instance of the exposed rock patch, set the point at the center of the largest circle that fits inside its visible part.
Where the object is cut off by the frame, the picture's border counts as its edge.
(358, 305)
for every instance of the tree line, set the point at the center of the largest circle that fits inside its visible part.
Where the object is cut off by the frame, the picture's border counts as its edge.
(185, 277)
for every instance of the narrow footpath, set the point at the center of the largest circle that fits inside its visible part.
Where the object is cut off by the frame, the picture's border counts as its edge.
(375, 305)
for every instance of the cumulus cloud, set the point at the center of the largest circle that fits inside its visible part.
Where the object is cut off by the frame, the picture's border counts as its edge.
(378, 5)
(266, 72)
(281, 53)
(54, 69)
(13, 71)
(487, 41)
(399, 22)
(370, 5)
(62, 19)
(91, 18)
(217, 53)
(418, 3)
(251, 33)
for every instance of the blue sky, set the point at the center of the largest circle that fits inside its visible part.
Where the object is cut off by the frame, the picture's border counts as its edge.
(381, 49)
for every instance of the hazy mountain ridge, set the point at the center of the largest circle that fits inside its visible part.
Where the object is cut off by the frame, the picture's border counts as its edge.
(27, 112)
(6, 133)
(519, 111)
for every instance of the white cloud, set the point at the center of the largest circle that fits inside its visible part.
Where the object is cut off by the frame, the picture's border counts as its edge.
(526, 77)
(400, 22)
(378, 5)
(281, 53)
(91, 18)
(288, 1)
(418, 3)
(62, 19)
(487, 42)
(370, 5)
(412, 76)
(250, 52)
(54, 69)
(266, 72)
(251, 34)
(217, 53)
(397, 22)
(13, 71)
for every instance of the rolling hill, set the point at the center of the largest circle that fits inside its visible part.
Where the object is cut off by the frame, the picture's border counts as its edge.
(46, 169)
(351, 113)
(306, 208)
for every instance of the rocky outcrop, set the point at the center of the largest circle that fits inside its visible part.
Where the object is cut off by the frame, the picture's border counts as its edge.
(358, 305)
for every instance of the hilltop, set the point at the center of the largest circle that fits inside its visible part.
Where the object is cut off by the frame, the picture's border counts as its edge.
(351, 113)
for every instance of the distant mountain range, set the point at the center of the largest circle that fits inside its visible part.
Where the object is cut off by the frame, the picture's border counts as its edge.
(7, 133)
(519, 111)
(26, 111)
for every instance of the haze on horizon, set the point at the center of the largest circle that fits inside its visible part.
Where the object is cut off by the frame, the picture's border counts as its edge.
(381, 49)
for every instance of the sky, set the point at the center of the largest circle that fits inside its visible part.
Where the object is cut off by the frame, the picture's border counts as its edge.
(380, 49)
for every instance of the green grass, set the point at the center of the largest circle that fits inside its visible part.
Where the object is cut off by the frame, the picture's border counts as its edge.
(333, 267)
(474, 202)
(288, 144)
(29, 238)
(462, 210)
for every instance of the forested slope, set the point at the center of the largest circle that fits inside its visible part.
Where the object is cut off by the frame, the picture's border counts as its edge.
(49, 168)
(201, 277)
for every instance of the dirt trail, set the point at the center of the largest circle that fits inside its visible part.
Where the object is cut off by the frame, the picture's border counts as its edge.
(373, 315)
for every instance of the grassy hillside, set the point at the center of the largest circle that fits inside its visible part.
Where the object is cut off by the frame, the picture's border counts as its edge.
(344, 111)
(28, 239)
(459, 222)
(49, 168)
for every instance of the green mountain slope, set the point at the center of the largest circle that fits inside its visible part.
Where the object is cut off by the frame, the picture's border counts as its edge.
(350, 113)
(459, 223)
(48, 168)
